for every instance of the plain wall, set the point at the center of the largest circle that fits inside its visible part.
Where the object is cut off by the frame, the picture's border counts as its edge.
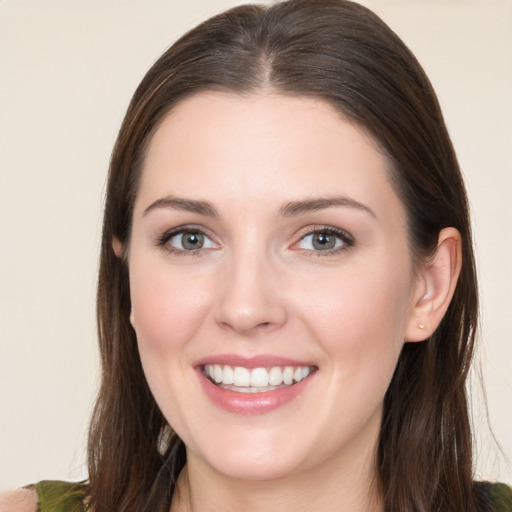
(68, 69)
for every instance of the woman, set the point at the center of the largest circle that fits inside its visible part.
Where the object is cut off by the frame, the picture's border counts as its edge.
(287, 298)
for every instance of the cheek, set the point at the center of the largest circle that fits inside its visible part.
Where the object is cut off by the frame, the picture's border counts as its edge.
(167, 308)
(359, 319)
(359, 324)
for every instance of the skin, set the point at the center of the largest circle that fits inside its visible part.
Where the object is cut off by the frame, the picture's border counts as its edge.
(20, 500)
(258, 286)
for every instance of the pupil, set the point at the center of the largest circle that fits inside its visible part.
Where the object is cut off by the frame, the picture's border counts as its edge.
(193, 240)
(323, 241)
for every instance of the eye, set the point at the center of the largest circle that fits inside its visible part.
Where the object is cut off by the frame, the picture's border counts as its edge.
(183, 240)
(325, 239)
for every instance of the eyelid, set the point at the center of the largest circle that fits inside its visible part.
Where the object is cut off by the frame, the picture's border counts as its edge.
(346, 238)
(166, 236)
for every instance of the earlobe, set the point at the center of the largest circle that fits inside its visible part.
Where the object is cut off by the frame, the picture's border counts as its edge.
(435, 286)
(117, 246)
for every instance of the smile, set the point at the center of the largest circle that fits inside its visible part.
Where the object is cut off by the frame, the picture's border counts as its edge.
(255, 380)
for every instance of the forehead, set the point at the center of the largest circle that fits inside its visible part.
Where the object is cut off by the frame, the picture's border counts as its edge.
(261, 146)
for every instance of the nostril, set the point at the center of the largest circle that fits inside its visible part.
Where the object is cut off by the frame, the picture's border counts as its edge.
(263, 326)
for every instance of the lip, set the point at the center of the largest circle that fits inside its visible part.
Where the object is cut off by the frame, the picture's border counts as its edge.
(252, 403)
(257, 361)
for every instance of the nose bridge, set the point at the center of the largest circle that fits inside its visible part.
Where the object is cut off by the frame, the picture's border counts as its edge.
(249, 300)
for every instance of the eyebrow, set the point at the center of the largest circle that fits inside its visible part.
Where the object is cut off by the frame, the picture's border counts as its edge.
(290, 209)
(187, 205)
(294, 208)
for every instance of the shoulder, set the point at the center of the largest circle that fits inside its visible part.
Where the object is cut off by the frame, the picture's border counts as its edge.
(20, 500)
(493, 497)
(47, 496)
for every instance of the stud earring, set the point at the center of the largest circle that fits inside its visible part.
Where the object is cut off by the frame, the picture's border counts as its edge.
(421, 326)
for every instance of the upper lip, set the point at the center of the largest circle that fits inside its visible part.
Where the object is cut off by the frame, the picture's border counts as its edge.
(256, 361)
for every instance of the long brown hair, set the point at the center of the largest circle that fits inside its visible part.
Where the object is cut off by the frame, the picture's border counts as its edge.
(342, 53)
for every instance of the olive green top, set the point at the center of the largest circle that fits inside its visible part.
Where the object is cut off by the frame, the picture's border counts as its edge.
(493, 497)
(56, 496)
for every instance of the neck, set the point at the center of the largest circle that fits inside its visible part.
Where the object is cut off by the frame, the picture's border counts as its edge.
(332, 487)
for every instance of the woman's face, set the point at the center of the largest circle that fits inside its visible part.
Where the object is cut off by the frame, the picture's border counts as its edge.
(270, 251)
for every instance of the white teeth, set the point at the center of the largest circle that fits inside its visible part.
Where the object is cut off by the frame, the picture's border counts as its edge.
(288, 375)
(275, 376)
(257, 379)
(242, 377)
(217, 373)
(228, 375)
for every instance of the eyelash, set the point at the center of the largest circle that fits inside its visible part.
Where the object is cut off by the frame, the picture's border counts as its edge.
(163, 241)
(346, 239)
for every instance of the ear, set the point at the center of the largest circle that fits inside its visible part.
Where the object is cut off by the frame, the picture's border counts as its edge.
(117, 246)
(435, 285)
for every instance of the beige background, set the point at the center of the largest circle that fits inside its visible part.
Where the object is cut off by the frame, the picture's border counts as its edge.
(68, 69)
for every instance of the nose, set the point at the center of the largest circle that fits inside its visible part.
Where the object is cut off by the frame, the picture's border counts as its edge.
(250, 298)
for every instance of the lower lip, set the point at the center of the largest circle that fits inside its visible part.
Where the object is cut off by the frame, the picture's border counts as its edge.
(252, 403)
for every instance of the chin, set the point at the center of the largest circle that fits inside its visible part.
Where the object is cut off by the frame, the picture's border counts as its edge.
(251, 460)
(254, 468)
